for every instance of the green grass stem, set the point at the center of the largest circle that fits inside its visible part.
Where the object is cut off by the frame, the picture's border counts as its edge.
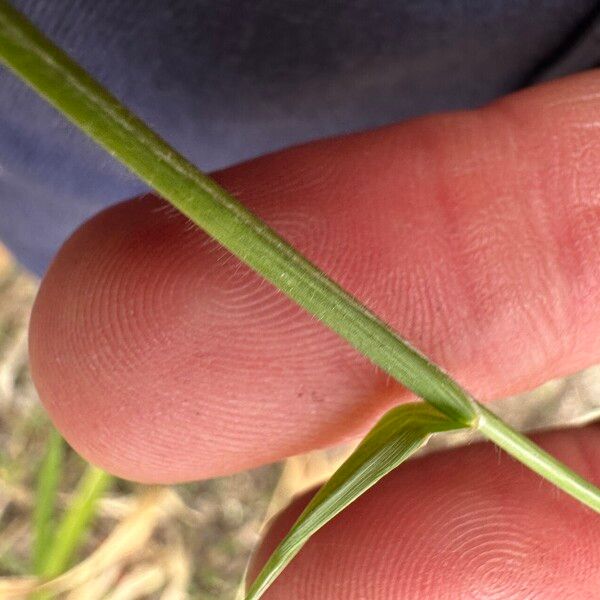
(537, 459)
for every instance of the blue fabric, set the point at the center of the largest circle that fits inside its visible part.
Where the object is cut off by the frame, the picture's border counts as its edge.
(225, 80)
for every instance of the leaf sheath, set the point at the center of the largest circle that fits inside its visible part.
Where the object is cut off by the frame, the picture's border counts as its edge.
(70, 89)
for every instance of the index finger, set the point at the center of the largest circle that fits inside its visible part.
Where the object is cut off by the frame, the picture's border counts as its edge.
(475, 235)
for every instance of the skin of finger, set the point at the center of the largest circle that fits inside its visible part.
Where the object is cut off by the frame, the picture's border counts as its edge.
(469, 523)
(476, 235)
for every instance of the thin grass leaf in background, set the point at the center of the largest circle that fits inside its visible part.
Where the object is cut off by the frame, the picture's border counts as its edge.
(398, 435)
(45, 500)
(71, 530)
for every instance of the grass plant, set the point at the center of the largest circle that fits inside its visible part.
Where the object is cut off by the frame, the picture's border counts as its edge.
(402, 430)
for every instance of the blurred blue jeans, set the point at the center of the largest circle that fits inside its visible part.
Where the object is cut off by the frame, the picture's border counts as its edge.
(226, 80)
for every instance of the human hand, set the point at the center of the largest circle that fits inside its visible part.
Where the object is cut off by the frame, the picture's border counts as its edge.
(475, 235)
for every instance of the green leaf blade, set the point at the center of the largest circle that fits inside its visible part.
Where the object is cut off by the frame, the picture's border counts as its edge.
(45, 499)
(398, 435)
(71, 530)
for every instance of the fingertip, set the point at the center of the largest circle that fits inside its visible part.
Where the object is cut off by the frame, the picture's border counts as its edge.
(162, 358)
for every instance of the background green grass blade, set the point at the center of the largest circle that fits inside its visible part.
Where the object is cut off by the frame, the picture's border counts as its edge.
(400, 433)
(45, 499)
(71, 530)
(70, 89)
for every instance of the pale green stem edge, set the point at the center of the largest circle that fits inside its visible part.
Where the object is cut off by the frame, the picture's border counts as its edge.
(85, 102)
